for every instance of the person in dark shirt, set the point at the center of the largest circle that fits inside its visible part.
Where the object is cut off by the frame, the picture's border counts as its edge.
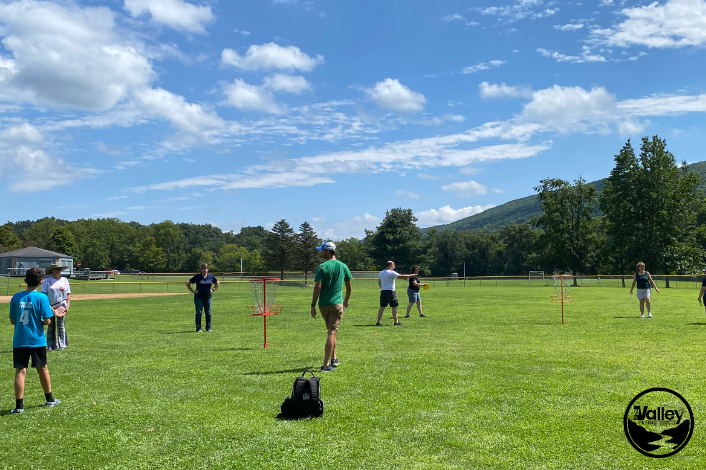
(413, 292)
(644, 281)
(206, 284)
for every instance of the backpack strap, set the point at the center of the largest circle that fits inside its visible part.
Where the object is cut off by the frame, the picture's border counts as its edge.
(314, 388)
(299, 388)
(309, 371)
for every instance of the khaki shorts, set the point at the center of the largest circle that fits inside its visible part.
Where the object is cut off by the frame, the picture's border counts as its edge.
(332, 315)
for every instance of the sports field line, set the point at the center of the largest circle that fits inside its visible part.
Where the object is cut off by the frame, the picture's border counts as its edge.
(5, 299)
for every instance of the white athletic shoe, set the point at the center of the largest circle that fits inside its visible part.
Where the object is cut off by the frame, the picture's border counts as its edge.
(52, 404)
(649, 315)
(642, 316)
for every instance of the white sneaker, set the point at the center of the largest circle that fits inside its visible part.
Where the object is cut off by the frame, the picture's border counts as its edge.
(52, 404)
(642, 316)
(649, 315)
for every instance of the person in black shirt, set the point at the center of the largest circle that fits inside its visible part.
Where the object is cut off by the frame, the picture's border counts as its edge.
(413, 292)
(206, 284)
(643, 279)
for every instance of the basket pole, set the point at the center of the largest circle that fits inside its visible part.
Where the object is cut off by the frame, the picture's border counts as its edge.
(562, 299)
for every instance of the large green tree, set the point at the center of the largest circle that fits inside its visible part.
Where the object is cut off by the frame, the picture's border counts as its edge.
(62, 241)
(279, 252)
(229, 257)
(42, 230)
(169, 237)
(569, 239)
(306, 258)
(518, 241)
(8, 239)
(650, 205)
(397, 239)
(197, 256)
(353, 252)
(151, 258)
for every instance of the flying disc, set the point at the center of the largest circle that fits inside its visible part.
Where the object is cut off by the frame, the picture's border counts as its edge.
(426, 286)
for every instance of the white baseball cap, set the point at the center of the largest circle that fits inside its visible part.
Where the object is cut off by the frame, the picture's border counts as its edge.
(329, 246)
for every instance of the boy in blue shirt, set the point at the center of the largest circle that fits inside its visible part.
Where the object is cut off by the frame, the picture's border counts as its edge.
(29, 312)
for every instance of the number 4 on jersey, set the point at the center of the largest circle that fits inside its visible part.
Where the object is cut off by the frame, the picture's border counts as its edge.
(24, 318)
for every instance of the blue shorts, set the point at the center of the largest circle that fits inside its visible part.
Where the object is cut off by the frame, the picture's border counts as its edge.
(413, 296)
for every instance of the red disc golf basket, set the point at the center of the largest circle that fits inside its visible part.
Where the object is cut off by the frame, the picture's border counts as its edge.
(264, 295)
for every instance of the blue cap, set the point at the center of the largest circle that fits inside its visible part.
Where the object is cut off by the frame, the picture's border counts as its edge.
(329, 246)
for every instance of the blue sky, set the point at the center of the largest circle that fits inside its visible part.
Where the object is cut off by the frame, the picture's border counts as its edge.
(245, 112)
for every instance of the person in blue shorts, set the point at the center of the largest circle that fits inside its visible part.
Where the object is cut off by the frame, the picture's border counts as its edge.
(206, 284)
(29, 312)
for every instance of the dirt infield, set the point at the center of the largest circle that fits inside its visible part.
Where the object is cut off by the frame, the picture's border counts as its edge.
(6, 299)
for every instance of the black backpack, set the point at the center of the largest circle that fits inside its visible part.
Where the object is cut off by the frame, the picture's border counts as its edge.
(305, 401)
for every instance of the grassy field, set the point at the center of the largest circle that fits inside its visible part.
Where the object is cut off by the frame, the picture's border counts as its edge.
(489, 380)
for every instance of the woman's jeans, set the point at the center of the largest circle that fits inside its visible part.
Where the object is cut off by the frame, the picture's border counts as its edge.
(203, 304)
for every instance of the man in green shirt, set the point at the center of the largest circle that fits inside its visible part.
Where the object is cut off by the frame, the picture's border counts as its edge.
(330, 276)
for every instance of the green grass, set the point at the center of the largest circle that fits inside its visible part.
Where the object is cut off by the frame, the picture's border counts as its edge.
(490, 380)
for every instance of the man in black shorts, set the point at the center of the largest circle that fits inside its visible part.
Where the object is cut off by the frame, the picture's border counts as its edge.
(29, 312)
(703, 285)
(386, 281)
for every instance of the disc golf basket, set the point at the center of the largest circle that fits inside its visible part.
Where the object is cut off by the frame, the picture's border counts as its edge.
(264, 295)
(562, 288)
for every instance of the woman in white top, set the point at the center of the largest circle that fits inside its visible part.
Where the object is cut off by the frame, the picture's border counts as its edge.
(59, 292)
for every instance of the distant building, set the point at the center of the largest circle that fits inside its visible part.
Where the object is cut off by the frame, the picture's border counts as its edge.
(17, 262)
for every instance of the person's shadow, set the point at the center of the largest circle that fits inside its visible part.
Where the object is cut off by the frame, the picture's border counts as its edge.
(299, 370)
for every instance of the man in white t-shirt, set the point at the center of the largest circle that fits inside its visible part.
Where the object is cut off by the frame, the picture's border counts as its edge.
(388, 296)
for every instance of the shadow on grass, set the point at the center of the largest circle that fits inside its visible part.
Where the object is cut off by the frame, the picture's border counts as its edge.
(368, 325)
(299, 370)
(237, 349)
(633, 316)
(699, 323)
(5, 352)
(7, 412)
(176, 332)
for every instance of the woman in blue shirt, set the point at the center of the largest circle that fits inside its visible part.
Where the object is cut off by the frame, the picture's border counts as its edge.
(206, 284)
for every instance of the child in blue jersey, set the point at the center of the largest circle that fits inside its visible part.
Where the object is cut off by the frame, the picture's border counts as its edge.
(29, 312)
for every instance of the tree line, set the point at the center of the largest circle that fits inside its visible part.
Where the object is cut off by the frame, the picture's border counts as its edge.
(650, 209)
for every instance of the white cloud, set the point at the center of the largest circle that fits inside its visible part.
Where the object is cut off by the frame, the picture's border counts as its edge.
(569, 27)
(407, 193)
(242, 33)
(114, 198)
(271, 56)
(104, 148)
(178, 14)
(24, 167)
(436, 120)
(586, 56)
(354, 227)
(391, 94)
(675, 23)
(606, 3)
(493, 90)
(242, 181)
(318, 219)
(446, 215)
(469, 170)
(185, 116)
(522, 9)
(466, 188)
(67, 56)
(453, 17)
(570, 108)
(483, 66)
(426, 176)
(288, 83)
(665, 105)
(252, 98)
